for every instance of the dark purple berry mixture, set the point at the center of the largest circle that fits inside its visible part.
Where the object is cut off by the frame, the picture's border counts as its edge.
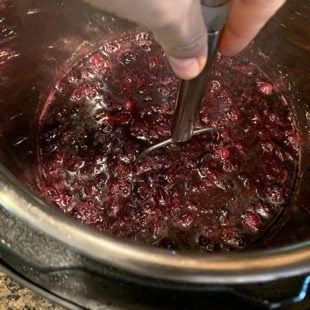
(217, 192)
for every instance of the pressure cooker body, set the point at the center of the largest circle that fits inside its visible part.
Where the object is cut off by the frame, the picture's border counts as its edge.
(39, 42)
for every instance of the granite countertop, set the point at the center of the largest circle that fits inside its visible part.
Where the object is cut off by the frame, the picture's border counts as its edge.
(13, 296)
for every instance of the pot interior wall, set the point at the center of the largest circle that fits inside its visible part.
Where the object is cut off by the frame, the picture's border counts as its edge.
(41, 39)
(40, 42)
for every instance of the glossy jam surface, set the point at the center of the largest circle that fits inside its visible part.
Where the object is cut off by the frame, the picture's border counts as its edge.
(218, 192)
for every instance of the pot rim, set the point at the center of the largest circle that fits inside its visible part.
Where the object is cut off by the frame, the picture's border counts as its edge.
(232, 268)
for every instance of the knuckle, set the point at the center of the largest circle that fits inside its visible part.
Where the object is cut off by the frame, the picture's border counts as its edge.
(188, 47)
(162, 18)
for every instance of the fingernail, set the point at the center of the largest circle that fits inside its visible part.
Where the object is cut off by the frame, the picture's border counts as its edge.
(187, 68)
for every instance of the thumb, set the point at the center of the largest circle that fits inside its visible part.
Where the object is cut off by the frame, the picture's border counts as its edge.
(178, 25)
(184, 39)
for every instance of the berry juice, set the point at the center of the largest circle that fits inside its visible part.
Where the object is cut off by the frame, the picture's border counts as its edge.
(218, 192)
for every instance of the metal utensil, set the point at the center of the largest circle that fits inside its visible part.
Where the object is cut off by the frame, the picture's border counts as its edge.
(168, 141)
(190, 95)
(191, 92)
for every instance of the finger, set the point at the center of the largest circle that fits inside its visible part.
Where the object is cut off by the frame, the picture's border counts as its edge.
(245, 19)
(184, 39)
(177, 25)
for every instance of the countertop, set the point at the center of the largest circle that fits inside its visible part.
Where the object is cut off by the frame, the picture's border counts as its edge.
(13, 296)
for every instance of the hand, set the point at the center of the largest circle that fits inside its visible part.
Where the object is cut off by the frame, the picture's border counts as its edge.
(179, 27)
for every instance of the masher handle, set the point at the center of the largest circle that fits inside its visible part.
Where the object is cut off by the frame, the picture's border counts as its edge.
(191, 92)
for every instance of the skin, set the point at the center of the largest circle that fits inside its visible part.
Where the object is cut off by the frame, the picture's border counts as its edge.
(179, 27)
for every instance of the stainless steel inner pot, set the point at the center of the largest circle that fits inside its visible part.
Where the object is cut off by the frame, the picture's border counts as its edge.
(39, 40)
